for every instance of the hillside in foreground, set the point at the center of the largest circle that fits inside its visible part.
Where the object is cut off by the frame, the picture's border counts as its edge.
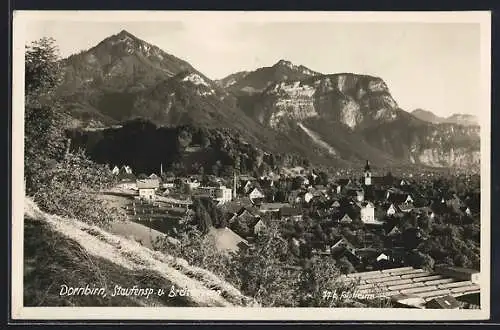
(60, 251)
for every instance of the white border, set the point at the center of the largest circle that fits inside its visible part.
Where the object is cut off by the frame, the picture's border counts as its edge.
(18, 312)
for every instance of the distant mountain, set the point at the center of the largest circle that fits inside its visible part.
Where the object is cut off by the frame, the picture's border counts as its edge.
(352, 117)
(459, 119)
(232, 79)
(462, 119)
(427, 116)
(100, 84)
(286, 110)
(256, 81)
(125, 78)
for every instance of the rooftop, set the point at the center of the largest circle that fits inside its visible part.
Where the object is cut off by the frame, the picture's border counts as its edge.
(411, 281)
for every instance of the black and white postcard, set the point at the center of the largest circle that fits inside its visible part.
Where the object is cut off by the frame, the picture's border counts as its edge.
(251, 165)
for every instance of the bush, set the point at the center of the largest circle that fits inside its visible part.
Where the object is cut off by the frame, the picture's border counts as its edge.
(70, 188)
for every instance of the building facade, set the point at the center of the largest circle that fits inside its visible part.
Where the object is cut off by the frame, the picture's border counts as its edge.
(223, 194)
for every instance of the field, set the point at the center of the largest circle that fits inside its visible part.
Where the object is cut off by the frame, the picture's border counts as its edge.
(160, 216)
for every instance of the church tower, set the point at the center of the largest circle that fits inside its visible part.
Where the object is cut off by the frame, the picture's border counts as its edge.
(368, 174)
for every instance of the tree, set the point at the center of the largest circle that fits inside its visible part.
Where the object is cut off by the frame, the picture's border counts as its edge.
(263, 271)
(345, 266)
(317, 277)
(60, 181)
(44, 138)
(323, 178)
(42, 70)
(184, 138)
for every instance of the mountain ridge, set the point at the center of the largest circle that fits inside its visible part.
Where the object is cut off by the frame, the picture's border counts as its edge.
(455, 118)
(279, 108)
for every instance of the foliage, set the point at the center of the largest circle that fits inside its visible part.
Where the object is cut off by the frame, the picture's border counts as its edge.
(61, 182)
(184, 149)
(70, 188)
(264, 272)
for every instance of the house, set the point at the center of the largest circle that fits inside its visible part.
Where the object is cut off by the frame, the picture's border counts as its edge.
(294, 197)
(445, 302)
(247, 186)
(395, 231)
(126, 169)
(147, 188)
(406, 300)
(320, 188)
(338, 189)
(128, 184)
(290, 213)
(334, 205)
(341, 244)
(346, 219)
(256, 194)
(272, 207)
(193, 183)
(259, 227)
(244, 215)
(380, 181)
(425, 210)
(168, 185)
(405, 207)
(399, 197)
(344, 182)
(115, 170)
(381, 257)
(227, 240)
(360, 195)
(343, 248)
(403, 182)
(247, 183)
(367, 212)
(467, 211)
(306, 196)
(223, 194)
(154, 177)
(206, 191)
(464, 274)
(392, 210)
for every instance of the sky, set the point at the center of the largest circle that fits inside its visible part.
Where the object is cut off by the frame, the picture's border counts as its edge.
(432, 66)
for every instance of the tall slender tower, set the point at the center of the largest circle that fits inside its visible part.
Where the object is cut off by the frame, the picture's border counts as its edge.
(234, 184)
(161, 169)
(236, 171)
(368, 174)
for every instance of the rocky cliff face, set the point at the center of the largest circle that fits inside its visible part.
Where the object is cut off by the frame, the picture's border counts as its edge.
(248, 83)
(442, 145)
(364, 106)
(352, 100)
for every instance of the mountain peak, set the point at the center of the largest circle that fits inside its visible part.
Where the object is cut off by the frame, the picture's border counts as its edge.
(286, 63)
(124, 33)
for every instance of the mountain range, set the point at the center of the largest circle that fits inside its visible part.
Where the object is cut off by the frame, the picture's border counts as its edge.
(460, 119)
(337, 119)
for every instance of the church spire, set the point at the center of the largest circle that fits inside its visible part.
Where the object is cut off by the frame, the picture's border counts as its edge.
(368, 176)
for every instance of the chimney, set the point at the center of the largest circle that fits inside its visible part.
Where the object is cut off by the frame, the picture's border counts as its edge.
(68, 145)
(234, 184)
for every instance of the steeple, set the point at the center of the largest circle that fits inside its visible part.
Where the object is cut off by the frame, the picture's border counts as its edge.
(368, 174)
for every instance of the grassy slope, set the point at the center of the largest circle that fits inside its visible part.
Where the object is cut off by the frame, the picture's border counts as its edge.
(66, 251)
